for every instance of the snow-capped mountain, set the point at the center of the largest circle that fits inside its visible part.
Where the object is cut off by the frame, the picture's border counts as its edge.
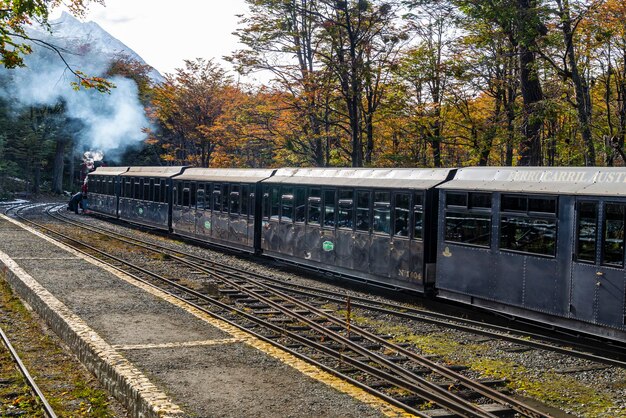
(75, 36)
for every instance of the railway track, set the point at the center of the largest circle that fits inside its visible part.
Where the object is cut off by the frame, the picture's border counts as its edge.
(418, 384)
(604, 353)
(36, 393)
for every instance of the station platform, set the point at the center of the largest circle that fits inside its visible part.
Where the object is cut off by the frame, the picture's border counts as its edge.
(159, 357)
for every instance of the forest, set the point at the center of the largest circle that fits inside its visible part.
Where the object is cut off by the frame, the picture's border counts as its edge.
(365, 83)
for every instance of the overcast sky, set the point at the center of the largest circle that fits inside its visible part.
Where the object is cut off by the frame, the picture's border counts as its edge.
(164, 33)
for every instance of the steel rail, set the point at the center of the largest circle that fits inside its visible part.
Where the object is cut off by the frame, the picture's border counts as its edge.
(280, 331)
(29, 379)
(418, 385)
(409, 313)
(482, 389)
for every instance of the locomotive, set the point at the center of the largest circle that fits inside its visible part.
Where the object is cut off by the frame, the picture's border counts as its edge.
(545, 244)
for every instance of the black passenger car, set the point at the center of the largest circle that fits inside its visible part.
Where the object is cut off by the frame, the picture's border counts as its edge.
(547, 244)
(374, 224)
(145, 195)
(103, 187)
(218, 205)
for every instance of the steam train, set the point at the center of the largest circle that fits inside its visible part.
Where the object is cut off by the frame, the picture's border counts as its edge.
(540, 243)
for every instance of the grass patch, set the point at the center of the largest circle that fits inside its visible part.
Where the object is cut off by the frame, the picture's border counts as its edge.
(68, 387)
(559, 391)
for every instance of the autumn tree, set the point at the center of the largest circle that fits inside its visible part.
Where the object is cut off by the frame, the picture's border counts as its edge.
(427, 68)
(187, 107)
(486, 85)
(359, 38)
(521, 21)
(282, 39)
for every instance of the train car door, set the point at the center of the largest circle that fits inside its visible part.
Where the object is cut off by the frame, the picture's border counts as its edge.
(345, 236)
(186, 223)
(362, 233)
(400, 265)
(313, 234)
(598, 281)
(299, 226)
(380, 247)
(285, 226)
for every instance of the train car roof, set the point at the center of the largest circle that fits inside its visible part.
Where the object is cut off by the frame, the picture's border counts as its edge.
(405, 178)
(155, 171)
(108, 171)
(238, 175)
(596, 181)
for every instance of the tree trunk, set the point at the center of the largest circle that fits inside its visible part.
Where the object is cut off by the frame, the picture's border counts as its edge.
(583, 98)
(530, 148)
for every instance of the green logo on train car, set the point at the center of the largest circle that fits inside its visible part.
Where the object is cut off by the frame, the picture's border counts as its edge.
(140, 210)
(328, 246)
(207, 224)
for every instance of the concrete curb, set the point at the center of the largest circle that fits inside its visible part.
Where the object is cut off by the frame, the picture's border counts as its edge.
(125, 382)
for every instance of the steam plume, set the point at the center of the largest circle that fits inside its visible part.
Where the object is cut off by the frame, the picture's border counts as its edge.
(110, 122)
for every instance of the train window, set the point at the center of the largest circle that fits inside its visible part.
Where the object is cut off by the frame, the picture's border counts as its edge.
(401, 215)
(235, 198)
(192, 195)
(345, 206)
(382, 213)
(363, 211)
(178, 192)
(613, 249)
(152, 191)
(266, 203)
(300, 204)
(468, 228)
(275, 202)
(252, 200)
(146, 189)
(315, 204)
(245, 197)
(587, 231)
(542, 204)
(216, 204)
(208, 195)
(225, 197)
(185, 200)
(514, 203)
(201, 197)
(456, 199)
(138, 188)
(534, 231)
(157, 191)
(165, 195)
(480, 200)
(329, 208)
(127, 188)
(287, 205)
(418, 216)
(528, 234)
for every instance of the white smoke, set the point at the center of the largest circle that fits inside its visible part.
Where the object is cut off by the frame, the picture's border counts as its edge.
(110, 122)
